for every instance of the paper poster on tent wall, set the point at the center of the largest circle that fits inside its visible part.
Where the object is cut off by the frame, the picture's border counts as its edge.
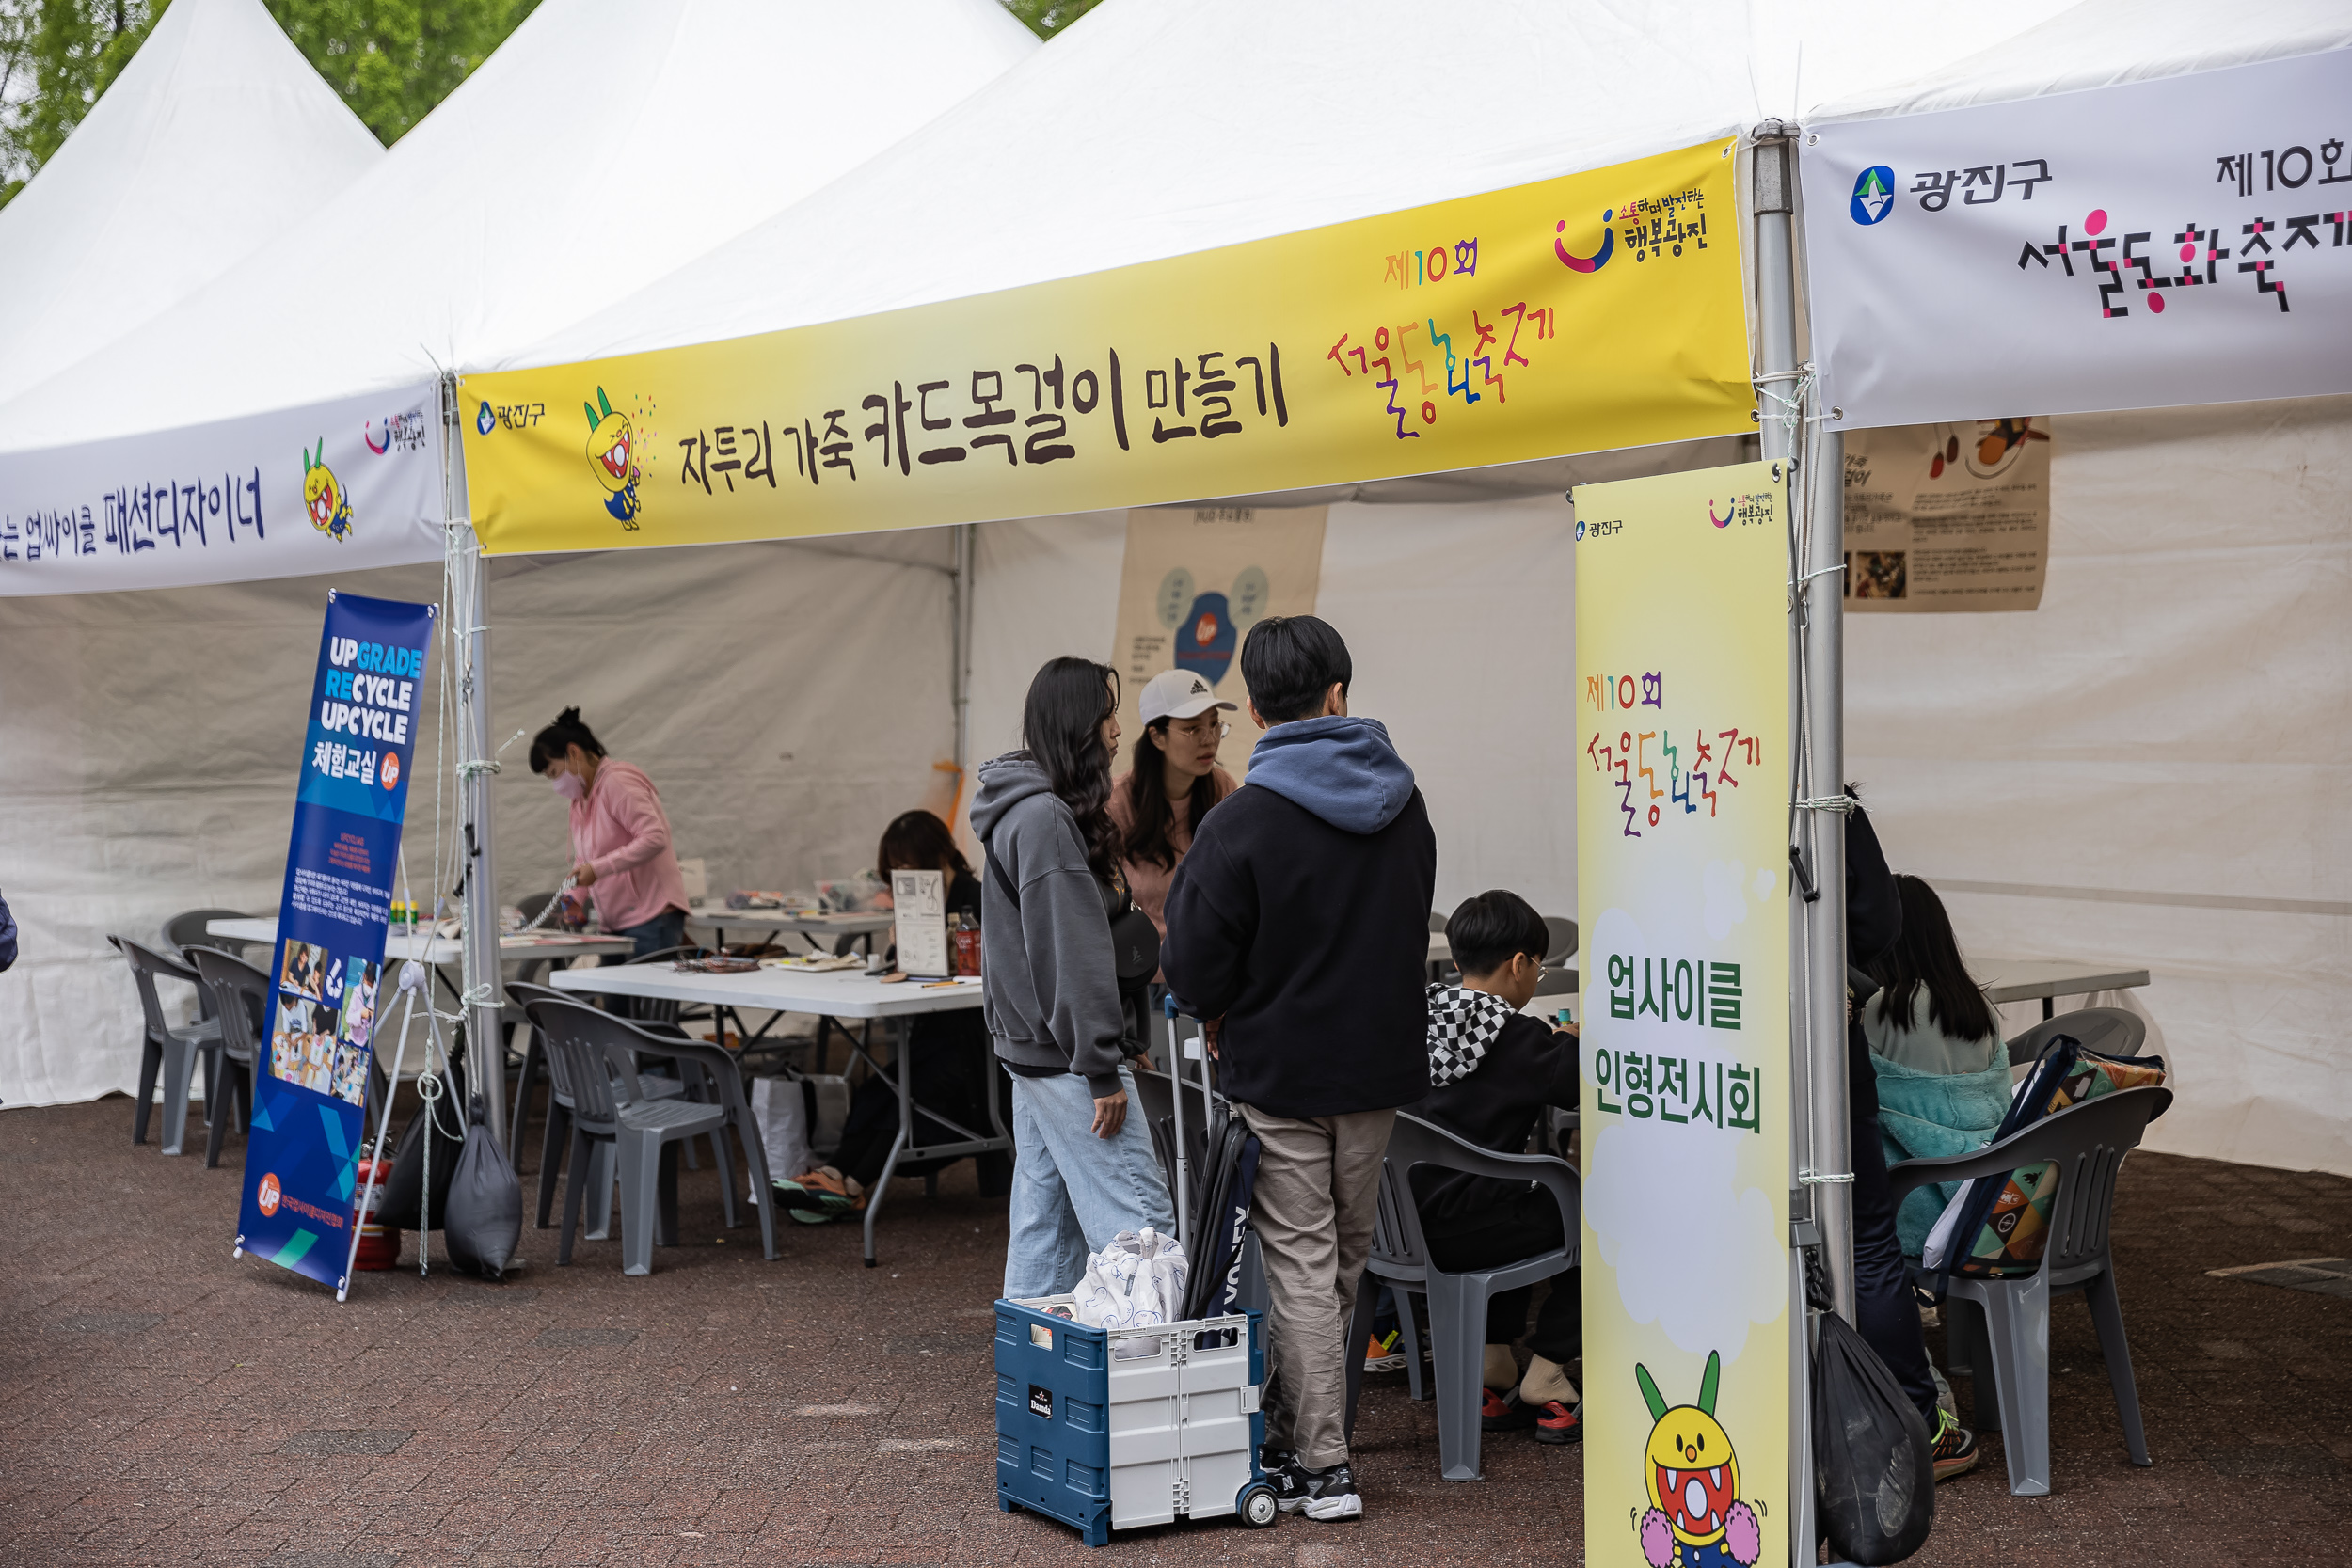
(2152, 243)
(330, 487)
(1193, 583)
(1681, 817)
(328, 981)
(1948, 516)
(1595, 310)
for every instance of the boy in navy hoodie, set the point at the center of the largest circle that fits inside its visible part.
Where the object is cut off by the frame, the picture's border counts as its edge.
(1298, 923)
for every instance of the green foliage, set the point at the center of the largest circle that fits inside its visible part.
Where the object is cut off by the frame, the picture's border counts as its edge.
(56, 58)
(1047, 17)
(392, 60)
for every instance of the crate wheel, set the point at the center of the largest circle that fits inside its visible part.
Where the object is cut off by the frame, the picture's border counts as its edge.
(1256, 1505)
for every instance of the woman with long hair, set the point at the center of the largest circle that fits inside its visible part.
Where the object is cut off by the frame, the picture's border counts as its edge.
(1084, 1169)
(1172, 784)
(1936, 1041)
(620, 835)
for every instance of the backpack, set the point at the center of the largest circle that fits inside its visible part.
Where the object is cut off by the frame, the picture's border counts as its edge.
(2009, 1221)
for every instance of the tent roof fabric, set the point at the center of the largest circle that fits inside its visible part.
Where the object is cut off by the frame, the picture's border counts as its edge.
(605, 144)
(2103, 42)
(1148, 131)
(216, 137)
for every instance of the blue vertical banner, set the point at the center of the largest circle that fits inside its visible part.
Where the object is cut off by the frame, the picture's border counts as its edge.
(310, 1086)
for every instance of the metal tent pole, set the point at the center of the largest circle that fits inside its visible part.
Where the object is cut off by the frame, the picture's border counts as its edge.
(1785, 387)
(485, 1055)
(960, 676)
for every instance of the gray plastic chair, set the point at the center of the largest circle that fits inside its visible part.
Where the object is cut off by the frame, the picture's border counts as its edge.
(594, 1056)
(169, 1050)
(2001, 1327)
(2108, 1031)
(1563, 946)
(556, 1134)
(1558, 982)
(185, 932)
(241, 1003)
(1457, 1301)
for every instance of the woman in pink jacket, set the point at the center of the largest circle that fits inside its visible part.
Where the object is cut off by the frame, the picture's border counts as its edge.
(620, 835)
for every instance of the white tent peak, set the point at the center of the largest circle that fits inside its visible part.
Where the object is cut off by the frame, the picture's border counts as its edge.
(605, 144)
(1152, 130)
(216, 136)
(2101, 43)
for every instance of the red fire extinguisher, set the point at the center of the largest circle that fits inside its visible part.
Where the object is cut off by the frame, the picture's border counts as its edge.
(379, 1248)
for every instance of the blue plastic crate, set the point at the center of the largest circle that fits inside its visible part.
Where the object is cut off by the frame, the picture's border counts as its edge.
(1105, 1441)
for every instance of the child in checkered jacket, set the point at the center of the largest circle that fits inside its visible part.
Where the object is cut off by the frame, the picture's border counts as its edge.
(1493, 1070)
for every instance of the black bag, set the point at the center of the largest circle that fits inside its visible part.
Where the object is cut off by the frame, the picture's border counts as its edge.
(1873, 1468)
(485, 1205)
(402, 1208)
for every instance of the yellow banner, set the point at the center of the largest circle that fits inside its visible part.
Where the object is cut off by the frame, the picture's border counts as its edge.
(1682, 834)
(1592, 311)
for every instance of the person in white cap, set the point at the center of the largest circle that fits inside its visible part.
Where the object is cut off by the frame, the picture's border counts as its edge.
(1172, 785)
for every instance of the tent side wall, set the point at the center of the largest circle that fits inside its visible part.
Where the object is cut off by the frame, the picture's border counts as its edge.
(786, 699)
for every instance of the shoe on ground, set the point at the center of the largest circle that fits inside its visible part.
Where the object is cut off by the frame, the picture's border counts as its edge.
(829, 1191)
(1558, 1422)
(1386, 1353)
(1504, 1411)
(1323, 1495)
(1955, 1448)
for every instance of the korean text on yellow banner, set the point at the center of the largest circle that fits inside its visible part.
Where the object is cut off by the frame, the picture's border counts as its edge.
(1595, 310)
(1681, 813)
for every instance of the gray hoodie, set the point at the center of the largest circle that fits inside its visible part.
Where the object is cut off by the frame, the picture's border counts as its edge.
(1051, 987)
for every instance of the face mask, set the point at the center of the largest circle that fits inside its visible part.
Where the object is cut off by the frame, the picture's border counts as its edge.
(570, 785)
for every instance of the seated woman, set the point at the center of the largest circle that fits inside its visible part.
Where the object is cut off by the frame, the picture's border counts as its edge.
(1936, 1041)
(1492, 1071)
(950, 1053)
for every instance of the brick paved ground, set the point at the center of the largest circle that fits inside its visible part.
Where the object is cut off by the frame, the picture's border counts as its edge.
(163, 1403)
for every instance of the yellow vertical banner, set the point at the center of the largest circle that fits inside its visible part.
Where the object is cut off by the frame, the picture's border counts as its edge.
(1594, 310)
(1682, 808)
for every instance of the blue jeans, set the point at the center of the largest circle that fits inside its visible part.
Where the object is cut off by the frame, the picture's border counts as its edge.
(666, 929)
(1072, 1191)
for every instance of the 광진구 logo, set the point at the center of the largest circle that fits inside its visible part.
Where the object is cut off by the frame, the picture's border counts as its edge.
(1873, 195)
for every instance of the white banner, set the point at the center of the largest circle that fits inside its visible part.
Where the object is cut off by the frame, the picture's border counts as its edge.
(325, 488)
(2153, 244)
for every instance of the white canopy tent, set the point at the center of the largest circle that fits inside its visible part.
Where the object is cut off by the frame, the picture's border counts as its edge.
(216, 137)
(607, 141)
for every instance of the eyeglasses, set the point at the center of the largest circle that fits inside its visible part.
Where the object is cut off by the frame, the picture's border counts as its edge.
(1201, 732)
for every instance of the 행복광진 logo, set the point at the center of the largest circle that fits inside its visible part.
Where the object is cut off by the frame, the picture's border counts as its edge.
(1873, 195)
(1594, 263)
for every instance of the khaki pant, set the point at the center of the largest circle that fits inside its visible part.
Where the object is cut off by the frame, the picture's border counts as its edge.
(1317, 1194)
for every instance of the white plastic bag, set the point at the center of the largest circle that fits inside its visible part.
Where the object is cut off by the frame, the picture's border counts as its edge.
(781, 1108)
(1938, 1242)
(1137, 1281)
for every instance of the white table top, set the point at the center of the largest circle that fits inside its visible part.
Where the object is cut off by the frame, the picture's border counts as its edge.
(782, 920)
(408, 945)
(838, 994)
(2025, 979)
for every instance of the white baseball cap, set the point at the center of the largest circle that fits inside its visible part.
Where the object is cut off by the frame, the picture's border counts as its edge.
(1179, 695)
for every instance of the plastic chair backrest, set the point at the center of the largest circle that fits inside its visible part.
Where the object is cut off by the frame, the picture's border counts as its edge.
(616, 1041)
(1562, 947)
(530, 904)
(1397, 1237)
(146, 963)
(2108, 1031)
(522, 993)
(1556, 982)
(576, 1063)
(237, 987)
(186, 929)
(1437, 923)
(2087, 1142)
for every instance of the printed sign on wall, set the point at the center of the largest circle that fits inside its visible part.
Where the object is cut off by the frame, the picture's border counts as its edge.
(1682, 835)
(1948, 516)
(1193, 583)
(311, 1087)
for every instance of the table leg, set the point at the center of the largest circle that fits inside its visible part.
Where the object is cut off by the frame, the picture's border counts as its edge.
(899, 1145)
